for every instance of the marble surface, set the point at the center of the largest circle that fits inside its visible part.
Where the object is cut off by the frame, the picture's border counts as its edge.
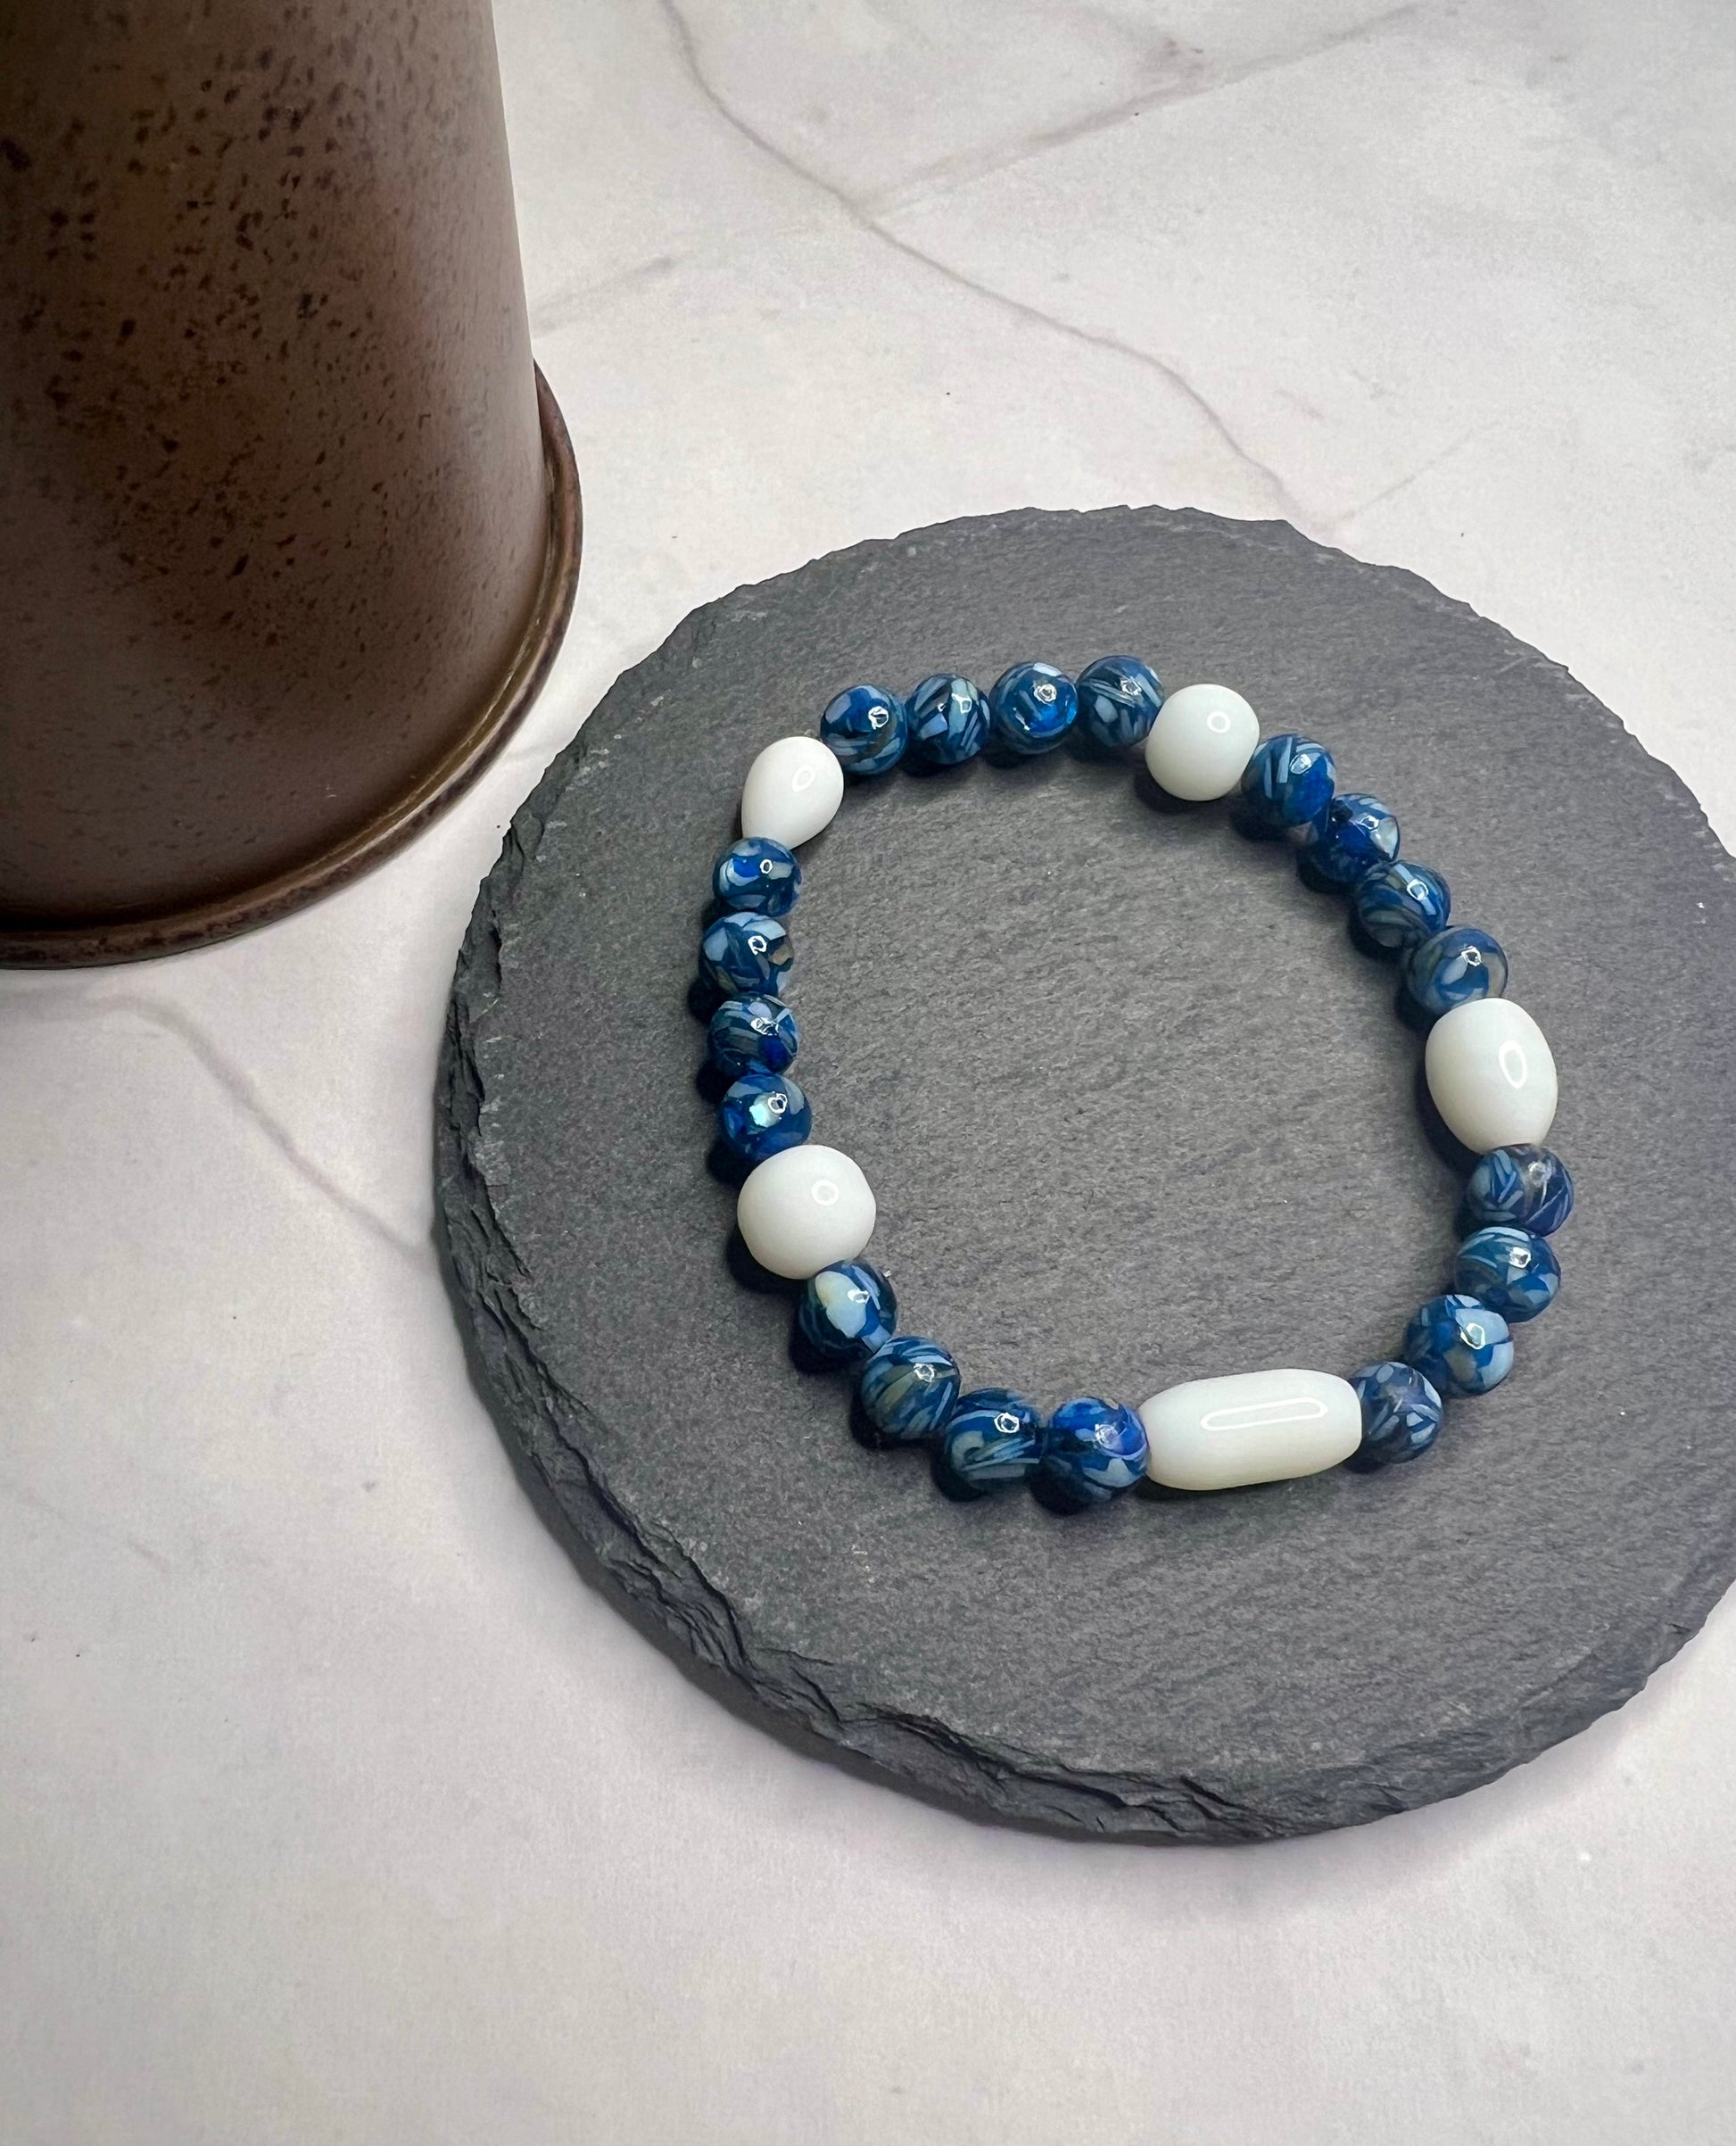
(334, 1805)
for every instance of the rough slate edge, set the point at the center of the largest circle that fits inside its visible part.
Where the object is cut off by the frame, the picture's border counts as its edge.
(675, 1600)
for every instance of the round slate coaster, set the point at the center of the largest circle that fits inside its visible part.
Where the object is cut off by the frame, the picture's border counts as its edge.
(1137, 1111)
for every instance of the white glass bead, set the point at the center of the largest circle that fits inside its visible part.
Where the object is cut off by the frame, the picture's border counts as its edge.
(1203, 737)
(803, 1209)
(1491, 1074)
(1257, 1426)
(792, 790)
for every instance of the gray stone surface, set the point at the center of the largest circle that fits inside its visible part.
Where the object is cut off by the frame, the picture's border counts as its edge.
(1135, 1111)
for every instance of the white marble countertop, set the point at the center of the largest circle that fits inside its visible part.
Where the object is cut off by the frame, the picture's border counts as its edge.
(335, 1805)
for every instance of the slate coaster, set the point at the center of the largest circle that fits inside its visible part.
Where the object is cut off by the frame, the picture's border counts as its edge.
(1135, 1111)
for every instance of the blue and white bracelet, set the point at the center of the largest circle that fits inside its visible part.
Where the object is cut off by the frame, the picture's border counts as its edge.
(806, 1213)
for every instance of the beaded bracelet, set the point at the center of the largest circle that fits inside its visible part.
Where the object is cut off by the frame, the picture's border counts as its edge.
(805, 1212)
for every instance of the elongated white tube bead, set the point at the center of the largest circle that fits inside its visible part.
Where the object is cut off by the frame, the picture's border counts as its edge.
(1203, 737)
(1491, 1074)
(793, 790)
(805, 1208)
(1257, 1426)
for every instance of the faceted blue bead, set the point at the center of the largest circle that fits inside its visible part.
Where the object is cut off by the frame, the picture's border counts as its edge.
(994, 1438)
(1400, 905)
(908, 1388)
(1358, 836)
(757, 874)
(752, 1031)
(1454, 967)
(1119, 698)
(866, 727)
(1034, 706)
(1093, 1450)
(746, 955)
(1288, 782)
(762, 1113)
(1401, 1414)
(949, 720)
(1459, 1346)
(1510, 1270)
(848, 1311)
(1523, 1187)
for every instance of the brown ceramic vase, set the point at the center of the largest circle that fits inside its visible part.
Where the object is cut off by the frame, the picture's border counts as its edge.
(288, 520)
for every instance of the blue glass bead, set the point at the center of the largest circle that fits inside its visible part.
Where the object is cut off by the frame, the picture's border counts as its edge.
(1119, 698)
(866, 727)
(949, 720)
(1034, 706)
(1510, 1270)
(1401, 1414)
(1454, 967)
(1522, 1188)
(994, 1438)
(752, 1031)
(1459, 1346)
(757, 874)
(1358, 836)
(1093, 1450)
(762, 1113)
(848, 1311)
(908, 1388)
(746, 955)
(1288, 782)
(1400, 905)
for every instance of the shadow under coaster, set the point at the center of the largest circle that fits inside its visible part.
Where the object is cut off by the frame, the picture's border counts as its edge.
(1135, 1111)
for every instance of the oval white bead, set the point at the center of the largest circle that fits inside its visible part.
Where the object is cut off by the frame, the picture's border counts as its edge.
(805, 1208)
(1203, 737)
(793, 790)
(1256, 1426)
(1491, 1074)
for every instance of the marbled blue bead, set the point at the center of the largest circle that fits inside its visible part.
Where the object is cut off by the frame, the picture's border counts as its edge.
(1119, 698)
(762, 1113)
(757, 874)
(1358, 836)
(1400, 905)
(848, 1311)
(908, 1388)
(1033, 706)
(1512, 1271)
(746, 955)
(949, 720)
(1093, 1450)
(1401, 1414)
(1454, 967)
(1521, 1187)
(1459, 1346)
(1288, 782)
(994, 1438)
(752, 1031)
(866, 727)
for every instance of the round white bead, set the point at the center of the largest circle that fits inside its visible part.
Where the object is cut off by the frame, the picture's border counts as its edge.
(1257, 1426)
(1203, 737)
(805, 1208)
(792, 790)
(1491, 1074)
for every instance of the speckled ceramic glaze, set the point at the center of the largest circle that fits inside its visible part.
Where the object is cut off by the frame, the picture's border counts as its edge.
(283, 525)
